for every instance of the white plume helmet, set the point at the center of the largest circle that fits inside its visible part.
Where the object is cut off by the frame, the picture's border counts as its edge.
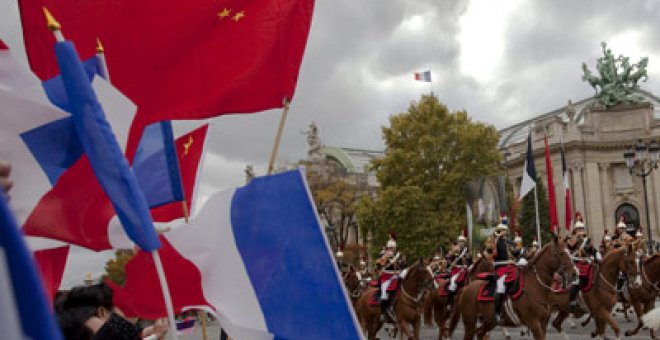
(517, 239)
(535, 243)
(621, 225)
(607, 238)
(390, 243)
(461, 238)
(578, 225)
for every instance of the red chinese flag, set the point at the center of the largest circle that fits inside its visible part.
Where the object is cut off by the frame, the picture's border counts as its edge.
(202, 59)
(189, 148)
(552, 201)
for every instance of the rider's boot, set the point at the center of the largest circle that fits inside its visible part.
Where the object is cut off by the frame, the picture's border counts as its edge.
(450, 299)
(383, 310)
(498, 300)
(572, 295)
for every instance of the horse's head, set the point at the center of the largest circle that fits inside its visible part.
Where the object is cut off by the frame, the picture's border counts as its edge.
(629, 263)
(418, 278)
(554, 258)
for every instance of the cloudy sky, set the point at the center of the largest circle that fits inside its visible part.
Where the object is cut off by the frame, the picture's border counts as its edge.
(502, 61)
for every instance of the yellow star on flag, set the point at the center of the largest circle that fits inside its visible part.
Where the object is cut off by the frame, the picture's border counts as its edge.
(225, 13)
(238, 16)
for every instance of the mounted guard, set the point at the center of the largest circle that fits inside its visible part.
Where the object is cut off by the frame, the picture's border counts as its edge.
(459, 260)
(505, 266)
(390, 263)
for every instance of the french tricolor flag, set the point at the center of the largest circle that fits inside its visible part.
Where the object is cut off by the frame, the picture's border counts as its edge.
(423, 76)
(257, 257)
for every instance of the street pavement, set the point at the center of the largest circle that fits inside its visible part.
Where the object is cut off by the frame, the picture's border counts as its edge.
(213, 331)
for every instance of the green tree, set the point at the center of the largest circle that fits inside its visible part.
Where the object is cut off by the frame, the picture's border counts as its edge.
(430, 154)
(114, 268)
(527, 224)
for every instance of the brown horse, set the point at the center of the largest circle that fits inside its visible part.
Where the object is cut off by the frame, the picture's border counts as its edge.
(438, 306)
(602, 297)
(407, 304)
(644, 293)
(352, 283)
(532, 306)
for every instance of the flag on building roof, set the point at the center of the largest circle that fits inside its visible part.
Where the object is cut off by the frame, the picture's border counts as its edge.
(552, 197)
(423, 76)
(26, 314)
(566, 177)
(258, 257)
(529, 170)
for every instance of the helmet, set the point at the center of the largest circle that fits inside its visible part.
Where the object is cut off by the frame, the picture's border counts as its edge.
(391, 243)
(578, 225)
(621, 225)
(461, 239)
(504, 221)
(340, 253)
(535, 244)
(607, 238)
(517, 239)
(639, 234)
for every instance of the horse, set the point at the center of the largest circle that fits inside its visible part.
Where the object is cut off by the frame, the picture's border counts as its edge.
(532, 305)
(644, 292)
(352, 283)
(439, 303)
(414, 285)
(602, 297)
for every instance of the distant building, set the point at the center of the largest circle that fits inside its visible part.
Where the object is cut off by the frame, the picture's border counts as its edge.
(594, 140)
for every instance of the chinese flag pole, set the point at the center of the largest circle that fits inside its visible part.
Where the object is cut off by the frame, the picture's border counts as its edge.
(278, 136)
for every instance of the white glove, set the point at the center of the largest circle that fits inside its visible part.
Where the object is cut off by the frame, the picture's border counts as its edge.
(522, 262)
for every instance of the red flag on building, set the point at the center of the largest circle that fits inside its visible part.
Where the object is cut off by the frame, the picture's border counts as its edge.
(552, 200)
(567, 188)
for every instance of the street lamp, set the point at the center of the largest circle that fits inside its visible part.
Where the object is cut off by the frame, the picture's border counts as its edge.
(641, 161)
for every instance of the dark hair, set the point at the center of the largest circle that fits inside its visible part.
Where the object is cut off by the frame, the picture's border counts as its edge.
(106, 292)
(84, 296)
(72, 322)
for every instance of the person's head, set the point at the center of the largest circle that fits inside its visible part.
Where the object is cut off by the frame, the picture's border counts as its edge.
(535, 244)
(461, 241)
(73, 322)
(95, 296)
(501, 229)
(391, 244)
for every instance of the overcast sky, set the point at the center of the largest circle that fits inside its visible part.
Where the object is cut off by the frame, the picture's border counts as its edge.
(502, 61)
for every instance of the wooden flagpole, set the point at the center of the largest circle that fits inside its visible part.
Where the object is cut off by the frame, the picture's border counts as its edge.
(278, 136)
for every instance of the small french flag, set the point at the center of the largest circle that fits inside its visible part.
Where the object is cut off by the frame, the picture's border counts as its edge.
(423, 76)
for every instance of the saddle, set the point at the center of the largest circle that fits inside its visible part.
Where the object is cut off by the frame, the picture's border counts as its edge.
(374, 300)
(514, 284)
(586, 275)
(441, 281)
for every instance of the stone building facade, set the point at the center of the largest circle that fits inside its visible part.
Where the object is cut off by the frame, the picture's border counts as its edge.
(594, 139)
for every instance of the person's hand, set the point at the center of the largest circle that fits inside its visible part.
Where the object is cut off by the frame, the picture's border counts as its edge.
(161, 326)
(5, 182)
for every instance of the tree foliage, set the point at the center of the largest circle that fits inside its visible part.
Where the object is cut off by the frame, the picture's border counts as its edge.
(430, 154)
(114, 268)
(336, 195)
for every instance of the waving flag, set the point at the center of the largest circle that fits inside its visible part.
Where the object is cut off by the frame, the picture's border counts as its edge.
(25, 311)
(182, 62)
(529, 171)
(257, 255)
(567, 188)
(424, 76)
(552, 198)
(103, 151)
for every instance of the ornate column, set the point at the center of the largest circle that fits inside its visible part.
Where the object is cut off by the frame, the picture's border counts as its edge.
(593, 203)
(607, 209)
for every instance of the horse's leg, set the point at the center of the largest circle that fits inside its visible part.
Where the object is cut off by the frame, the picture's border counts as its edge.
(637, 306)
(561, 316)
(416, 328)
(537, 330)
(608, 319)
(469, 324)
(586, 322)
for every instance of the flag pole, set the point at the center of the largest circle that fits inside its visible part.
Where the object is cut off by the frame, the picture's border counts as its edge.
(54, 26)
(278, 136)
(202, 319)
(538, 223)
(166, 294)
